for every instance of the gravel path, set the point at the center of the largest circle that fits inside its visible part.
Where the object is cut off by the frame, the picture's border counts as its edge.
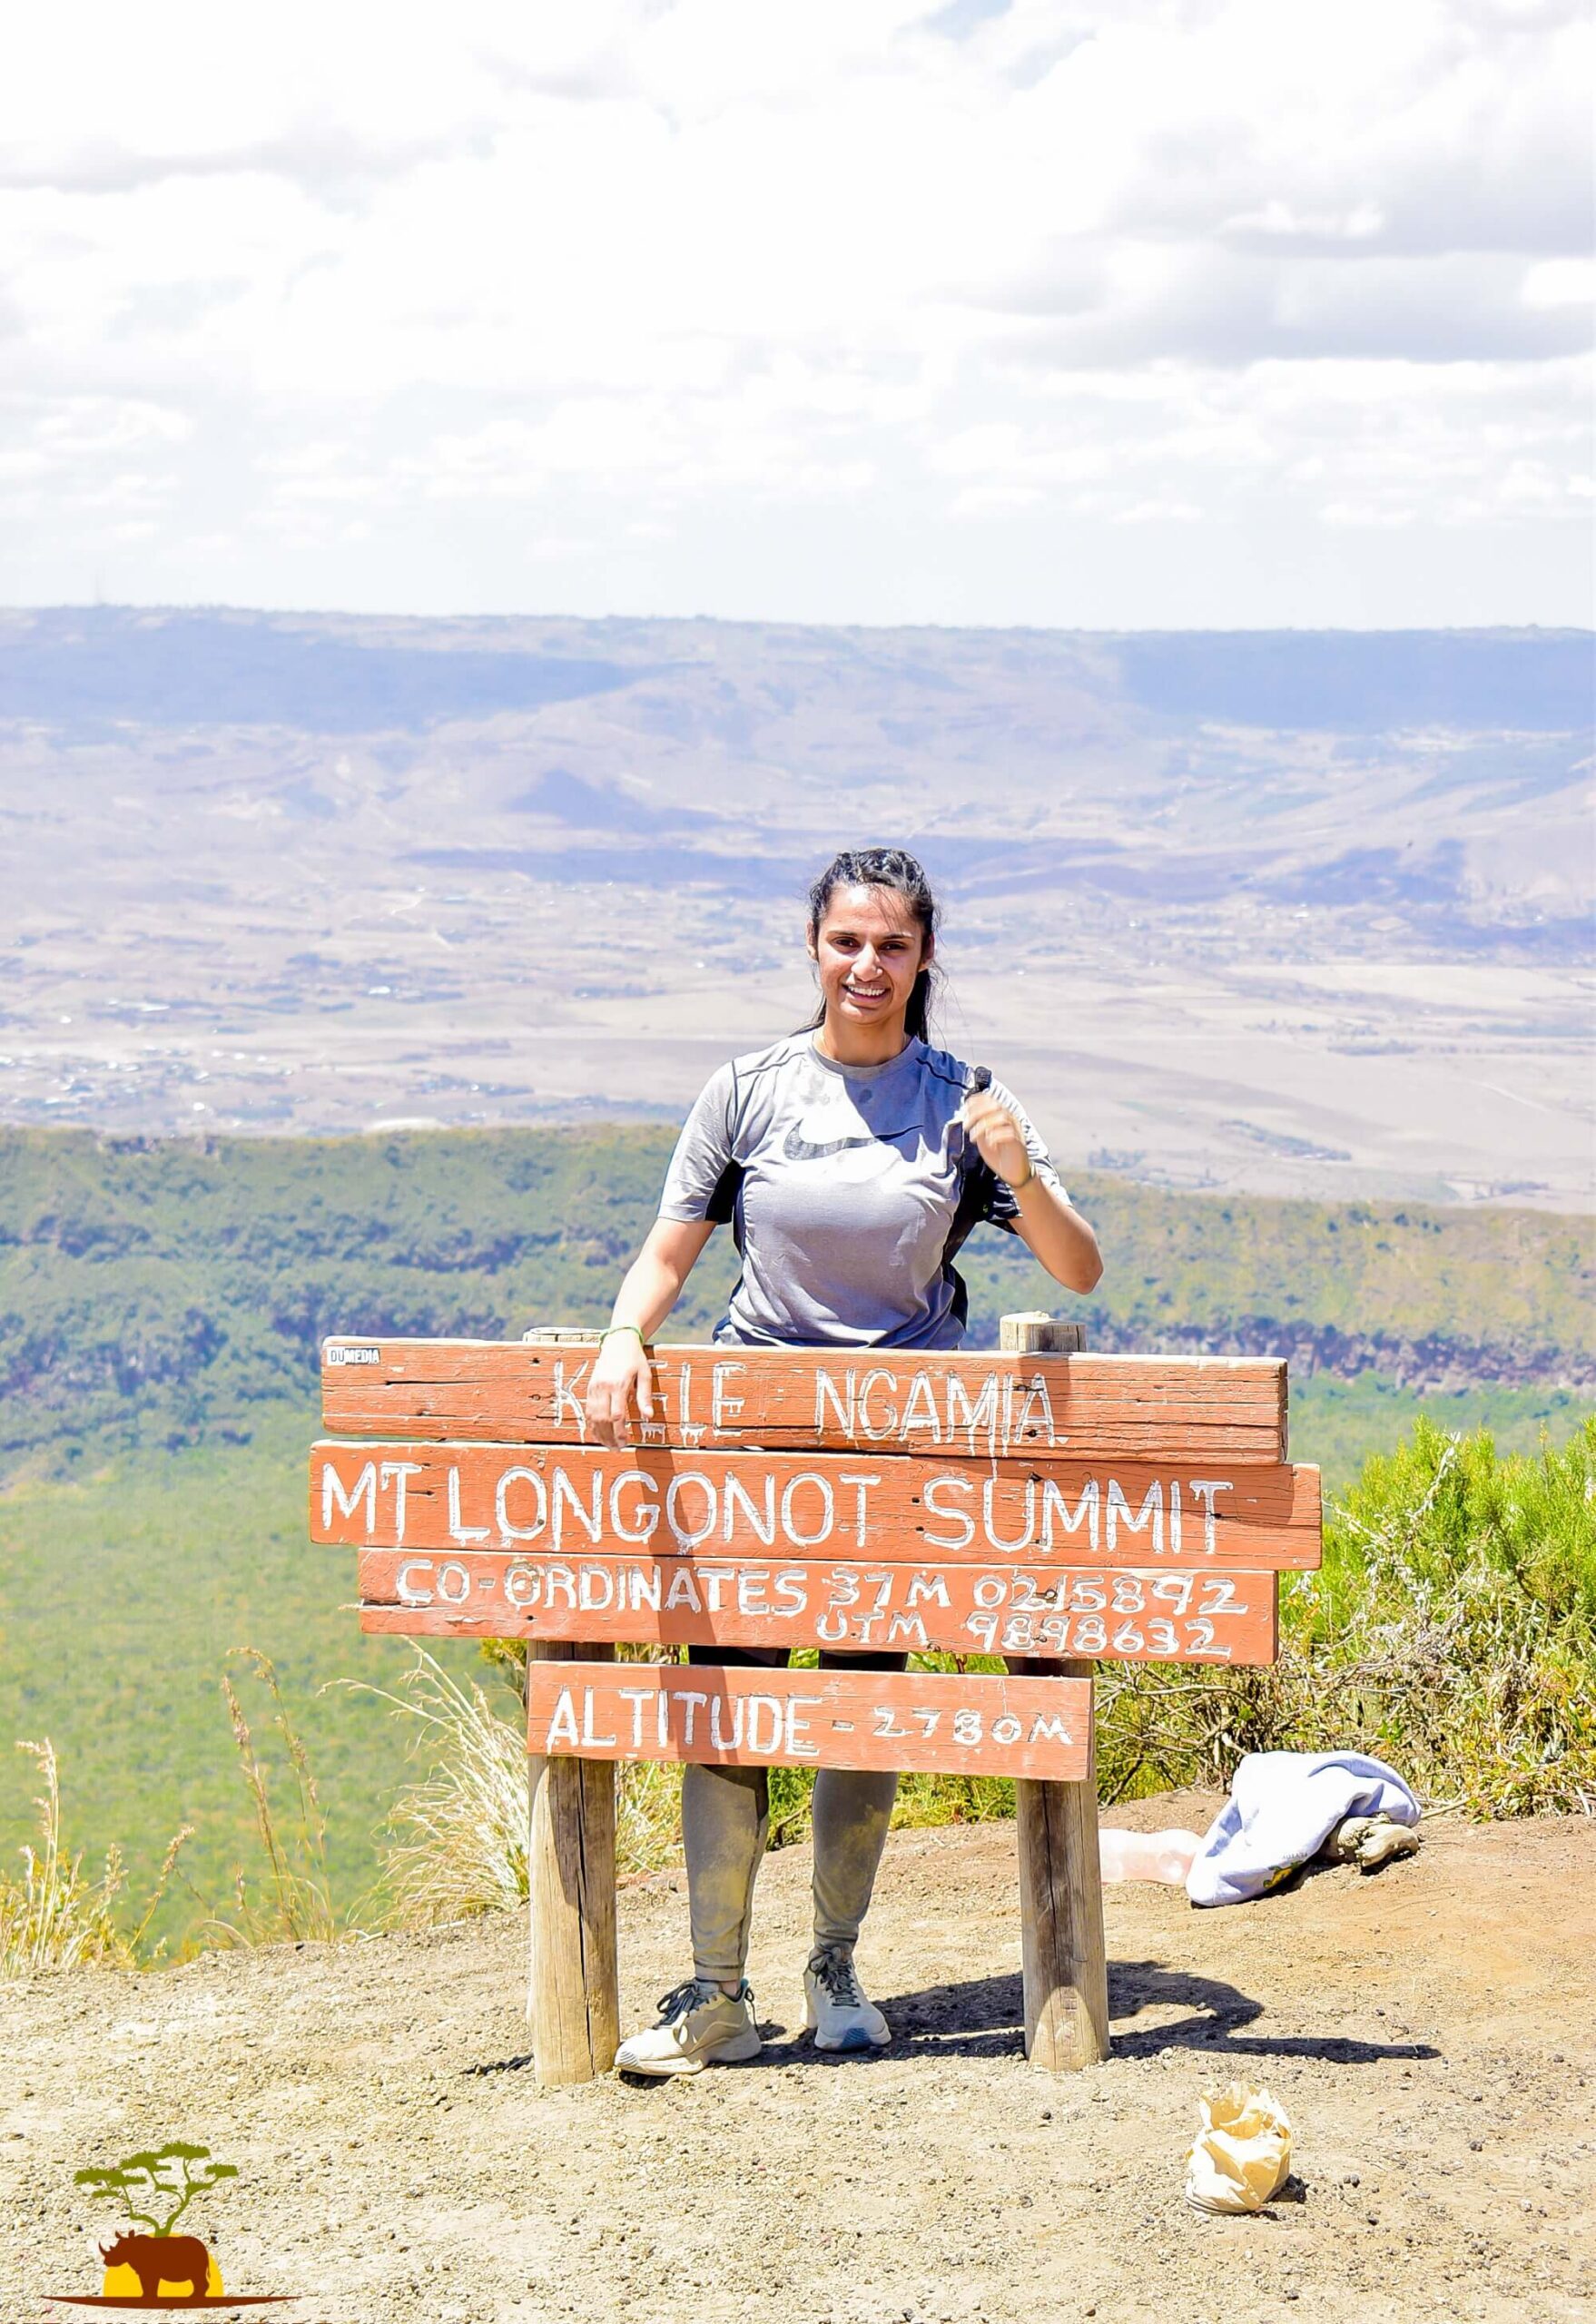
(1430, 2031)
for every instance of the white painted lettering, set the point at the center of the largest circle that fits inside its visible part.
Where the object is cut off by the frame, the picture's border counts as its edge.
(562, 1727)
(763, 1521)
(592, 1742)
(792, 1586)
(590, 1518)
(560, 1581)
(692, 1705)
(931, 1588)
(1150, 1515)
(719, 1740)
(989, 1516)
(936, 1493)
(767, 1709)
(567, 1403)
(508, 1531)
(695, 1479)
(636, 1696)
(364, 1488)
(412, 1590)
(789, 1527)
(722, 1403)
(920, 1413)
(398, 1473)
(859, 1482)
(887, 1420)
(1055, 1507)
(453, 1583)
(646, 1519)
(752, 1588)
(1034, 1419)
(591, 1582)
(683, 1591)
(643, 1585)
(825, 1392)
(967, 1420)
(908, 1628)
(795, 1726)
(1204, 1489)
(457, 1529)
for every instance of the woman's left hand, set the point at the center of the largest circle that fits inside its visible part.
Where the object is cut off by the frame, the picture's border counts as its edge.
(998, 1137)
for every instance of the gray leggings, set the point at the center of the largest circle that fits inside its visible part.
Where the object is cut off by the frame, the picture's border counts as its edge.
(725, 1820)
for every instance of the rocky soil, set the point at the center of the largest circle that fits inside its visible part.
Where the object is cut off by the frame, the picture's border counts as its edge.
(1430, 2031)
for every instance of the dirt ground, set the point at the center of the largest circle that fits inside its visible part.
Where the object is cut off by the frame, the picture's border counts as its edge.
(1429, 2029)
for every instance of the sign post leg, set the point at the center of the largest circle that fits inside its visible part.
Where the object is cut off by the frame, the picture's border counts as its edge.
(573, 2001)
(1063, 1946)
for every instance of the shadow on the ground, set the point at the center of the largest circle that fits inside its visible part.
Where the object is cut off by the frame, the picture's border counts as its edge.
(983, 2017)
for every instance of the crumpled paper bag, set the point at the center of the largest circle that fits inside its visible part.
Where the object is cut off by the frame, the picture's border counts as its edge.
(1241, 2154)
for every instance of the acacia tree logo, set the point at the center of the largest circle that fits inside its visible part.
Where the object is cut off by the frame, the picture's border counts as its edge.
(167, 2181)
(151, 2191)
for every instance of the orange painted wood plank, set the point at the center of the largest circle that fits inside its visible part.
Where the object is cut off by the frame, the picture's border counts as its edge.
(1149, 1614)
(939, 1722)
(879, 1400)
(426, 1496)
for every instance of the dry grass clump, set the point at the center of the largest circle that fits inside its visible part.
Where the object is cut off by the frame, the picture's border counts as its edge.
(295, 1902)
(458, 1834)
(52, 1917)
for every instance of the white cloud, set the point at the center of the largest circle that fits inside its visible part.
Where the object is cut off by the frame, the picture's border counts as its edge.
(428, 300)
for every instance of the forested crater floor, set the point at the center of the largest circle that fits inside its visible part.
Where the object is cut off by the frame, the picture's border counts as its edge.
(1428, 2030)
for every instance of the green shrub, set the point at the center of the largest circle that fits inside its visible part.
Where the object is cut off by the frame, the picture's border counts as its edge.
(1452, 1631)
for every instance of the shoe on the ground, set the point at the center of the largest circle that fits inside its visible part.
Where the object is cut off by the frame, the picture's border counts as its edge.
(837, 2010)
(699, 2026)
(1370, 1841)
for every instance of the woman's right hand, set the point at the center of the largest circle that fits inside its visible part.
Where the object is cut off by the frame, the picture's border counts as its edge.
(620, 1377)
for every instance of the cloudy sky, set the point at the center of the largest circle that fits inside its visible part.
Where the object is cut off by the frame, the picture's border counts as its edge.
(1177, 313)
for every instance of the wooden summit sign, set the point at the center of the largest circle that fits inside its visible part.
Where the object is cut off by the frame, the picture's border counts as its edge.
(1048, 1507)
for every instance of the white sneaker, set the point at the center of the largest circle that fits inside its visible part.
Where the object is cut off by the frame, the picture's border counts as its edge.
(699, 2026)
(837, 2010)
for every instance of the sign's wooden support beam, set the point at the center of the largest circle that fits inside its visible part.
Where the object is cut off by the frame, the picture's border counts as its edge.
(1063, 1951)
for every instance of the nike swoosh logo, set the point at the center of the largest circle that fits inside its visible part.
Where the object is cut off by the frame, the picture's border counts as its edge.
(799, 1149)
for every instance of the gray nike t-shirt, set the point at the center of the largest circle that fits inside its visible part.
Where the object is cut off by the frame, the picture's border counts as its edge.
(849, 1190)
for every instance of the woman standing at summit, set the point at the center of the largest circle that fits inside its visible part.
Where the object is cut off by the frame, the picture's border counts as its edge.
(851, 1161)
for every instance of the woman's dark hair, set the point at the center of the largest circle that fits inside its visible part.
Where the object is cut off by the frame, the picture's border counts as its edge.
(884, 866)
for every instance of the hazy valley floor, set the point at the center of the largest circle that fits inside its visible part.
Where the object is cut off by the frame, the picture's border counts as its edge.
(1429, 2032)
